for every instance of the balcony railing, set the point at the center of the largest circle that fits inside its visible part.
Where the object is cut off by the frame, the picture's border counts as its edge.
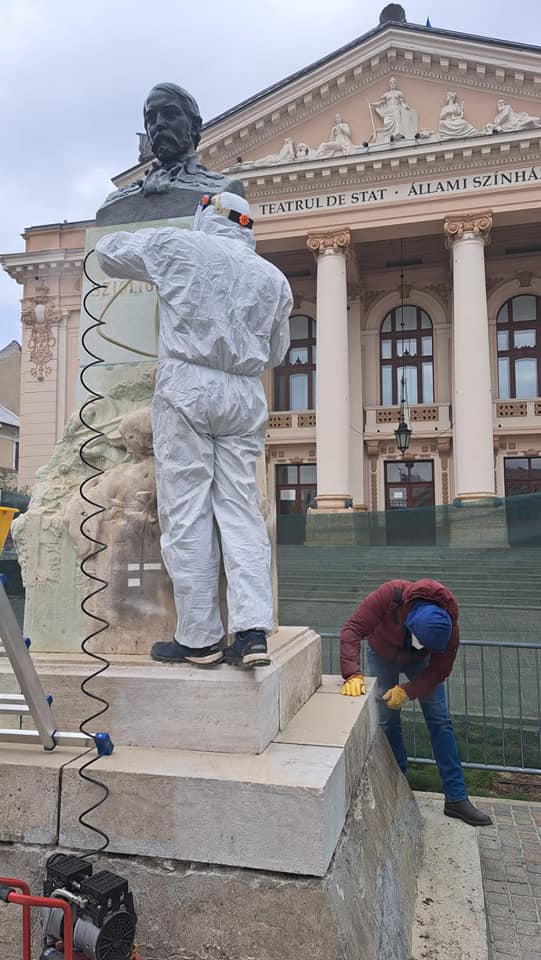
(302, 420)
(384, 419)
(517, 408)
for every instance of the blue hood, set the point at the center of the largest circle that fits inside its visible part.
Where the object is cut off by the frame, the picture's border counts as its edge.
(431, 625)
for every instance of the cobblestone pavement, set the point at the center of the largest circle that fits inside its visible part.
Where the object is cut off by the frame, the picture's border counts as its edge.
(511, 867)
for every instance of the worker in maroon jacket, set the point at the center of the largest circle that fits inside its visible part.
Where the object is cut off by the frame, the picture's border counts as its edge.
(411, 628)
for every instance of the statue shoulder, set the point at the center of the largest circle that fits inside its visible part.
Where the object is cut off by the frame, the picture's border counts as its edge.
(127, 191)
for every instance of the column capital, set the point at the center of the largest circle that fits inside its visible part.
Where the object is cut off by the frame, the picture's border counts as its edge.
(326, 240)
(480, 224)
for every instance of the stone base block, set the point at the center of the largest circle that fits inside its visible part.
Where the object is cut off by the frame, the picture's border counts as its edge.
(362, 907)
(281, 811)
(175, 706)
(30, 793)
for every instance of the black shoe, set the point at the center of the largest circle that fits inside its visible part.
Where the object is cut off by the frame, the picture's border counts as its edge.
(464, 810)
(249, 650)
(173, 652)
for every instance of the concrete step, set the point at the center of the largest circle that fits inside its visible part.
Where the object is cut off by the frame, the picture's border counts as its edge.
(177, 706)
(283, 810)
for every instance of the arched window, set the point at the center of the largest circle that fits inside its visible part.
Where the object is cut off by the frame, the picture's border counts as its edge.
(518, 331)
(295, 379)
(406, 345)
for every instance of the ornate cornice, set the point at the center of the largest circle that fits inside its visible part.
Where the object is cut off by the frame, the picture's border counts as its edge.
(346, 172)
(337, 240)
(480, 224)
(61, 261)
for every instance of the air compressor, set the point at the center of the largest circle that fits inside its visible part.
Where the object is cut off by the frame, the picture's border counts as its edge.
(83, 915)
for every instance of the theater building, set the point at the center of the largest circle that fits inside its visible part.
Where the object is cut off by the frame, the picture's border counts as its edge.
(397, 183)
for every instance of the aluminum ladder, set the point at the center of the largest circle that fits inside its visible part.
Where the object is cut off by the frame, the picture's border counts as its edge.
(32, 700)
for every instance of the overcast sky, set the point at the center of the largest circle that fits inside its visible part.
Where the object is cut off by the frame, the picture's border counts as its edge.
(73, 77)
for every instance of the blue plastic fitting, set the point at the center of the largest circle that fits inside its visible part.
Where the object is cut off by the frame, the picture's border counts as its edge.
(104, 744)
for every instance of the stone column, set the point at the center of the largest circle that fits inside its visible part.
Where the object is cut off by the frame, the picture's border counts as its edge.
(356, 407)
(332, 401)
(467, 236)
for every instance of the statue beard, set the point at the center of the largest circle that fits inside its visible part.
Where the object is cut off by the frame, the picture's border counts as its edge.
(170, 149)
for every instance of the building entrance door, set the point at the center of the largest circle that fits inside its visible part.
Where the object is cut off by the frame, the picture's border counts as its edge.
(296, 487)
(409, 503)
(523, 500)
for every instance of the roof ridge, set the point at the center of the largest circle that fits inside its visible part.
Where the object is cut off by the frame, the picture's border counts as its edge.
(381, 28)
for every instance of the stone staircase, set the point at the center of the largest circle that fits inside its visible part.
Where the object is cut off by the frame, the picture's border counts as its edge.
(498, 590)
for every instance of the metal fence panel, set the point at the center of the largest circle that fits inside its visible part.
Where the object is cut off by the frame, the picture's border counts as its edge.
(494, 697)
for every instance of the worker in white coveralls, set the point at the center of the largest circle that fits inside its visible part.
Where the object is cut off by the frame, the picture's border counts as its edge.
(224, 318)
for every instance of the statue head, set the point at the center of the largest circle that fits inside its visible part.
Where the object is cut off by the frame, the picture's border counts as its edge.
(172, 122)
(451, 97)
(135, 430)
(302, 150)
(501, 104)
(392, 83)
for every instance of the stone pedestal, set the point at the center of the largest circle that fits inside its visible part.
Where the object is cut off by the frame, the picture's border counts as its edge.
(362, 906)
(309, 850)
(179, 707)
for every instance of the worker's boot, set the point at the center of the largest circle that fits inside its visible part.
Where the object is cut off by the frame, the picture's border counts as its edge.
(173, 652)
(465, 810)
(249, 650)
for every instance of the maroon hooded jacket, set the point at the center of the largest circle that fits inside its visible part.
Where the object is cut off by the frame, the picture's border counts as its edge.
(381, 618)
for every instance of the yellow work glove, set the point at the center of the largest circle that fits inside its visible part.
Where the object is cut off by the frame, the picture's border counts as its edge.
(354, 686)
(395, 697)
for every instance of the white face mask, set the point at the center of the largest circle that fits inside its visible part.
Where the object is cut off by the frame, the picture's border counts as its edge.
(415, 642)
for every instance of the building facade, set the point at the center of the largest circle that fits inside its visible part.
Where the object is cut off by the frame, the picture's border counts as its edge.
(397, 183)
(10, 389)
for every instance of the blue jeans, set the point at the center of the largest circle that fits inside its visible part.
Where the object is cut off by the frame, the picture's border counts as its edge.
(436, 714)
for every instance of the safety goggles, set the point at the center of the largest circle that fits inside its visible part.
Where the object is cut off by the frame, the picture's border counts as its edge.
(241, 218)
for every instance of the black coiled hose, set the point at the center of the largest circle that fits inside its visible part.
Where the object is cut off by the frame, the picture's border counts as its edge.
(101, 623)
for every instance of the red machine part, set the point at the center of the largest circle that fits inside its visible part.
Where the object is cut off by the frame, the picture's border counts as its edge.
(26, 901)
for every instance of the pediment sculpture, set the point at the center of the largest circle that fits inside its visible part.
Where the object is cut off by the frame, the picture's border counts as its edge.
(508, 120)
(339, 144)
(452, 121)
(400, 120)
(400, 123)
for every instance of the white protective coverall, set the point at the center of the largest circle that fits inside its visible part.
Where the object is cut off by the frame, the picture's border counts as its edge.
(224, 318)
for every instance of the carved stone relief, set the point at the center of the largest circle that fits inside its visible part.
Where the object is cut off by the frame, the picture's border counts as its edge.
(400, 120)
(328, 240)
(40, 315)
(392, 120)
(508, 120)
(479, 224)
(453, 125)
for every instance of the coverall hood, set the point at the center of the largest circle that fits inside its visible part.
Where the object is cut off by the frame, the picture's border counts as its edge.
(209, 219)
